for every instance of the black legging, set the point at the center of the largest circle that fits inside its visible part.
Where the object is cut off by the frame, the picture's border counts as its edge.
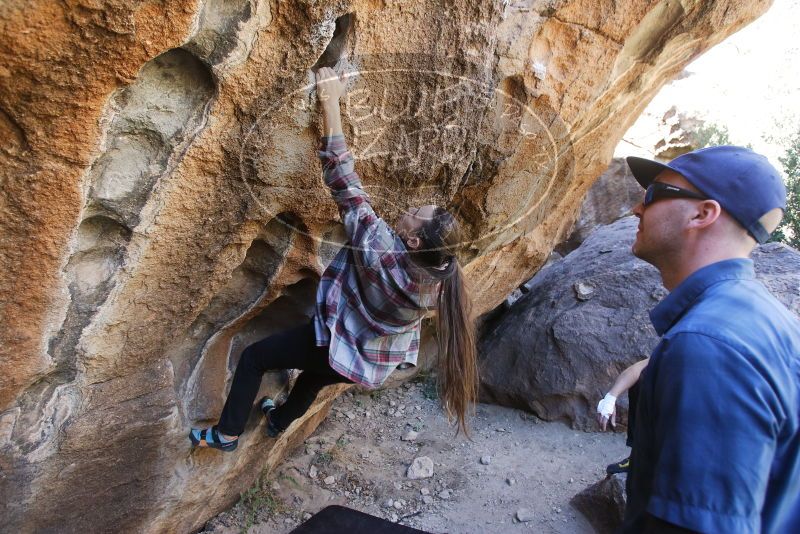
(290, 349)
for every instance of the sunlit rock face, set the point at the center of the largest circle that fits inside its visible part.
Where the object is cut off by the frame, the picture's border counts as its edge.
(162, 204)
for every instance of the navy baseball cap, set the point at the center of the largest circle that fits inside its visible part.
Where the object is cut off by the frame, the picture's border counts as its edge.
(744, 183)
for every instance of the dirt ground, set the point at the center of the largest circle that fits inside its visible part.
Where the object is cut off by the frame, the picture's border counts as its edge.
(515, 465)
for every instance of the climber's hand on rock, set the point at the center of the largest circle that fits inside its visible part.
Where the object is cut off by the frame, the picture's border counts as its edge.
(329, 87)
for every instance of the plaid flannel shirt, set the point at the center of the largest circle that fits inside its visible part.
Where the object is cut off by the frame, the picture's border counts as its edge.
(372, 297)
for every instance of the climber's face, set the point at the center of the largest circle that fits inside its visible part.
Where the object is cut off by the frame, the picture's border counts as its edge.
(410, 223)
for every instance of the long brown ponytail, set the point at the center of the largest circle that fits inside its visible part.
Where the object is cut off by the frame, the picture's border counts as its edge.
(457, 361)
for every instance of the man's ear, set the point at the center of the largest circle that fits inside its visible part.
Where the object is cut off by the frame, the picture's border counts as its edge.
(706, 214)
(413, 242)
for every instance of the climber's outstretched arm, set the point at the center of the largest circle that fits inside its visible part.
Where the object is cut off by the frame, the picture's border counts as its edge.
(329, 90)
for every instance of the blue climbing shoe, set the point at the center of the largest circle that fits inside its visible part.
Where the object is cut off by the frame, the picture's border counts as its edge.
(210, 438)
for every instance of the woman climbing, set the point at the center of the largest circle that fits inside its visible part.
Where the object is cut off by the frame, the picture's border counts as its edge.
(369, 305)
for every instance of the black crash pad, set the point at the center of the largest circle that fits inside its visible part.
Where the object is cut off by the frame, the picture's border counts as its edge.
(339, 519)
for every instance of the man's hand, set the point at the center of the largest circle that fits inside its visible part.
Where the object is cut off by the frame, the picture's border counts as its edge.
(607, 410)
(329, 87)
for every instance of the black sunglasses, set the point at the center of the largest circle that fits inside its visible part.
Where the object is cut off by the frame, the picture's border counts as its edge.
(659, 190)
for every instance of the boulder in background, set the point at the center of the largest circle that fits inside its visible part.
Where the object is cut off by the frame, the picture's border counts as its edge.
(560, 347)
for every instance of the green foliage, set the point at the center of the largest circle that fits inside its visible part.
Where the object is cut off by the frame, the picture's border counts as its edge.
(711, 134)
(323, 458)
(334, 454)
(789, 230)
(429, 383)
(431, 390)
(292, 480)
(259, 501)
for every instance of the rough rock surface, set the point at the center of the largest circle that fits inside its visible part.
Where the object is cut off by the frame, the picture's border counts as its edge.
(610, 198)
(681, 134)
(603, 503)
(585, 319)
(161, 204)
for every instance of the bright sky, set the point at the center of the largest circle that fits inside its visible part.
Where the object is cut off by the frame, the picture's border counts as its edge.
(750, 83)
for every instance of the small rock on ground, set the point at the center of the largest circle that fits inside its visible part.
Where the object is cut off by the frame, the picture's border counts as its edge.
(421, 467)
(409, 435)
(524, 515)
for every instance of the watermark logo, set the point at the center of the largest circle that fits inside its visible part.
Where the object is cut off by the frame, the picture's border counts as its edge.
(424, 130)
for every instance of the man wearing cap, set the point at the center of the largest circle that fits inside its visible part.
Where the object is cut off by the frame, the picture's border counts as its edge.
(716, 447)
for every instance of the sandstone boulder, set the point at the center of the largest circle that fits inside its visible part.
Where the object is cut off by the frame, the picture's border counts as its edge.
(161, 204)
(681, 134)
(558, 349)
(610, 198)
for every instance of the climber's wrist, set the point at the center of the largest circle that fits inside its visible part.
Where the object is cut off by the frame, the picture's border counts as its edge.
(331, 120)
(330, 107)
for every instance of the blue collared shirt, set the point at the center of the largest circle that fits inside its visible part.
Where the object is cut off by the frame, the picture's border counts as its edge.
(716, 447)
